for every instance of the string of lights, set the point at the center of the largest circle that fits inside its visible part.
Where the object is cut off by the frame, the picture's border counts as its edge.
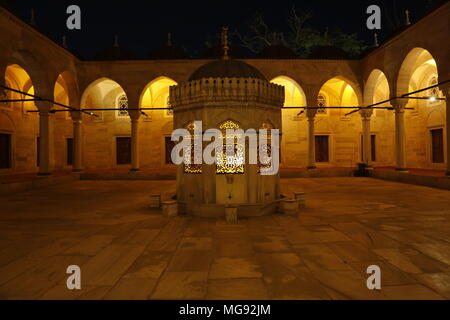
(90, 111)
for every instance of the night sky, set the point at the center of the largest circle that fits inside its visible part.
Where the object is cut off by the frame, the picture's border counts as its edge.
(143, 25)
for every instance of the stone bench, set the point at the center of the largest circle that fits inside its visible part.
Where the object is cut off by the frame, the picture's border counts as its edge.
(169, 208)
(231, 215)
(155, 201)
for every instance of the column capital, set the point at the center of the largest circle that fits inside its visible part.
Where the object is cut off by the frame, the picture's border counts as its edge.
(43, 106)
(76, 115)
(311, 113)
(366, 113)
(399, 105)
(134, 115)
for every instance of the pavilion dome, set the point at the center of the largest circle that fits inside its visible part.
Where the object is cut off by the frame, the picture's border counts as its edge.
(277, 52)
(226, 69)
(328, 52)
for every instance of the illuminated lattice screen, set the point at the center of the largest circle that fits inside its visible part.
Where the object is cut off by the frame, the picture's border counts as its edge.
(232, 163)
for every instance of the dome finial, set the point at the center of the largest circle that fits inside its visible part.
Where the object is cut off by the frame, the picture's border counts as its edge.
(225, 43)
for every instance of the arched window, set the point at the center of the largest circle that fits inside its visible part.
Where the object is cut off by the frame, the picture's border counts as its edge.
(321, 104)
(122, 105)
(232, 162)
(433, 92)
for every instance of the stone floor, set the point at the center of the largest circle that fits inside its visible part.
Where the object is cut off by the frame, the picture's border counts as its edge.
(127, 251)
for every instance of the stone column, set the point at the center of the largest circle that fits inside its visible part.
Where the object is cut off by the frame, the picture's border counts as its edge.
(366, 147)
(400, 138)
(77, 142)
(44, 139)
(134, 116)
(311, 114)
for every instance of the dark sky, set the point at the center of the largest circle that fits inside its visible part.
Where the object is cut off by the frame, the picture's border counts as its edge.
(143, 25)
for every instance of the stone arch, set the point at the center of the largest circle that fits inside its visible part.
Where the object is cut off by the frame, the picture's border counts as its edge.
(102, 93)
(154, 90)
(414, 59)
(376, 88)
(34, 67)
(66, 88)
(294, 94)
(16, 77)
(345, 84)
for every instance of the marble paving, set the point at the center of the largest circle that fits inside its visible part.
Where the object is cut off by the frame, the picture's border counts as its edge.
(128, 251)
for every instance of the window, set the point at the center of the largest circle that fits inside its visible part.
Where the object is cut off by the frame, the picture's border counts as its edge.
(373, 148)
(123, 150)
(192, 168)
(5, 151)
(321, 143)
(321, 104)
(122, 105)
(434, 92)
(437, 145)
(169, 144)
(230, 162)
(69, 151)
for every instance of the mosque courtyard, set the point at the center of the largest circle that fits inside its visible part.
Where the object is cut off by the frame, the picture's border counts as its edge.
(128, 251)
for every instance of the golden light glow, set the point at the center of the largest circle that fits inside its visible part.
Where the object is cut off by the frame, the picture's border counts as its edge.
(17, 78)
(230, 163)
(340, 93)
(294, 95)
(102, 93)
(156, 95)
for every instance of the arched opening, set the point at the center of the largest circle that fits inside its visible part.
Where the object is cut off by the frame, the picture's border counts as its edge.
(156, 95)
(17, 78)
(425, 121)
(107, 137)
(336, 136)
(291, 122)
(377, 88)
(382, 122)
(63, 93)
(294, 94)
(19, 141)
(105, 93)
(337, 92)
